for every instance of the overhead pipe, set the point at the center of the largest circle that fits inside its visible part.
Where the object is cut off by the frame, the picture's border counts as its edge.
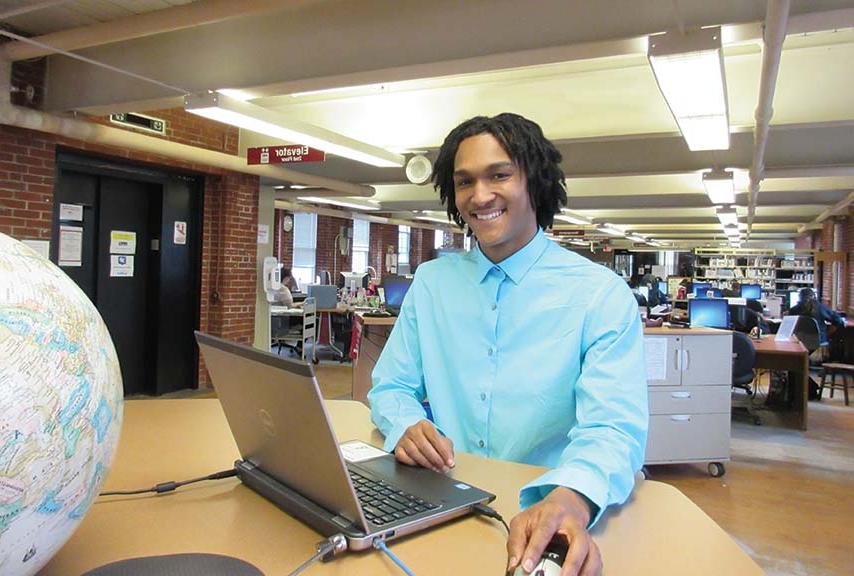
(146, 24)
(776, 21)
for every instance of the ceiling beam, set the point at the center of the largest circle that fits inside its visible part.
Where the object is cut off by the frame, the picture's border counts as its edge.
(837, 208)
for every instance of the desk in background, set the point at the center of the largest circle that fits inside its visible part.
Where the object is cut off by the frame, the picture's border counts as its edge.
(659, 532)
(373, 333)
(790, 356)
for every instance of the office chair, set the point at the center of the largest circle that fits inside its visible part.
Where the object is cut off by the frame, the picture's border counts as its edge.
(299, 338)
(807, 332)
(743, 361)
(756, 306)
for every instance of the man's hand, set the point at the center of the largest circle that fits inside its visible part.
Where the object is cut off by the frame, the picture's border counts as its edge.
(562, 512)
(423, 445)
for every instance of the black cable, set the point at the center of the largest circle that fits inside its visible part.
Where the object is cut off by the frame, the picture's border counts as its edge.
(172, 485)
(490, 512)
(332, 546)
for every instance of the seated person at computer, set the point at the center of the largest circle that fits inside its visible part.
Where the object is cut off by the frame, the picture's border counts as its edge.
(526, 351)
(289, 280)
(734, 290)
(283, 297)
(808, 305)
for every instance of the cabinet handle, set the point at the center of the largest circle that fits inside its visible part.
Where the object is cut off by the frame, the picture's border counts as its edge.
(677, 355)
(687, 362)
(680, 394)
(681, 418)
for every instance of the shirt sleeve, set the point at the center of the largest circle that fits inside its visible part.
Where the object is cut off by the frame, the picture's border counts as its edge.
(397, 389)
(606, 448)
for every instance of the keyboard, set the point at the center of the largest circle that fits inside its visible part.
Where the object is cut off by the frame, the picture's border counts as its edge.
(383, 503)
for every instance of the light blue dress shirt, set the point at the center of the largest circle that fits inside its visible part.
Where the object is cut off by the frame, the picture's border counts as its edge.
(538, 359)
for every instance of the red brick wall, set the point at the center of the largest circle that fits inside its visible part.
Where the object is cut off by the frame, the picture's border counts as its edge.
(227, 300)
(382, 236)
(420, 246)
(849, 249)
(826, 243)
(186, 128)
(327, 256)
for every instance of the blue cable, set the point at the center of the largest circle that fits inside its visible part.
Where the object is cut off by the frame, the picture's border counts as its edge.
(380, 544)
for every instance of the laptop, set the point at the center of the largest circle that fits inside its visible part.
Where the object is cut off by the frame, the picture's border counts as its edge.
(395, 289)
(290, 455)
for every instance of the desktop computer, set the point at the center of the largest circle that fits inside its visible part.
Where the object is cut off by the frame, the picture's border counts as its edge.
(708, 312)
(353, 280)
(662, 287)
(751, 291)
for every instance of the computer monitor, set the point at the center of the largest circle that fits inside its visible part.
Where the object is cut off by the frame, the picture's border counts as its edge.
(699, 288)
(751, 291)
(353, 280)
(662, 287)
(395, 289)
(794, 298)
(708, 312)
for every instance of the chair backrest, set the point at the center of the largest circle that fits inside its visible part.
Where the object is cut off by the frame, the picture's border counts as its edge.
(808, 333)
(743, 358)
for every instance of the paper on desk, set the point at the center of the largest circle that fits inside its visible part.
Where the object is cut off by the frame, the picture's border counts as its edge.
(655, 350)
(357, 451)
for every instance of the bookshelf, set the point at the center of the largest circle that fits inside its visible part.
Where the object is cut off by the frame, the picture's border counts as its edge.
(776, 271)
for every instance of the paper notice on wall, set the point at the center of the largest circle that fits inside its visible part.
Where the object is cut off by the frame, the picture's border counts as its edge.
(179, 236)
(122, 242)
(121, 266)
(72, 212)
(655, 350)
(42, 247)
(263, 234)
(70, 246)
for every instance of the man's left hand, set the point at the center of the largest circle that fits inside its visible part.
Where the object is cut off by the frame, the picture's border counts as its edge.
(562, 512)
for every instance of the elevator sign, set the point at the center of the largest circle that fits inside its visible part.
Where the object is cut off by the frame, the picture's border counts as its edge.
(290, 154)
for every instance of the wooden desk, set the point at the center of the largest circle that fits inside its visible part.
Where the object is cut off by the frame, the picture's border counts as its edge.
(792, 357)
(375, 332)
(659, 532)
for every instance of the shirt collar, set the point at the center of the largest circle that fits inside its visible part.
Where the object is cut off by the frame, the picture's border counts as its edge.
(517, 264)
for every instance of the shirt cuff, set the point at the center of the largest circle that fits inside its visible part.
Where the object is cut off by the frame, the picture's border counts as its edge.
(394, 435)
(582, 480)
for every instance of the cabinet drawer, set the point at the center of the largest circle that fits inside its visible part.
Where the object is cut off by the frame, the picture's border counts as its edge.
(690, 400)
(686, 437)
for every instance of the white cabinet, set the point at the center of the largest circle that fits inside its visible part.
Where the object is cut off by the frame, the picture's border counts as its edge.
(689, 396)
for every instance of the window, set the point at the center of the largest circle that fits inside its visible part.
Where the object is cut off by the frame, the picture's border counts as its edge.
(361, 239)
(305, 247)
(403, 246)
(438, 239)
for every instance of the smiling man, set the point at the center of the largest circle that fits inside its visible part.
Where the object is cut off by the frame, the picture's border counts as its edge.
(526, 351)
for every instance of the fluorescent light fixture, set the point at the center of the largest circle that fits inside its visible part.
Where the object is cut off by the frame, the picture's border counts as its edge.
(577, 219)
(237, 94)
(720, 186)
(728, 217)
(606, 229)
(636, 238)
(689, 70)
(732, 231)
(434, 219)
(579, 242)
(345, 203)
(228, 110)
(339, 90)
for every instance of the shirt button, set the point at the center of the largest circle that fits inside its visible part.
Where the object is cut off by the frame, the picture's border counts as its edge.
(483, 396)
(494, 306)
(481, 444)
(489, 351)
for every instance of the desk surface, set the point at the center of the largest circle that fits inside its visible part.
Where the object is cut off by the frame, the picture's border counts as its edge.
(375, 321)
(768, 345)
(659, 532)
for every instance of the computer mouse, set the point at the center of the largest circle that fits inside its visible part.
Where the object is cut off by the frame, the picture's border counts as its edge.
(551, 561)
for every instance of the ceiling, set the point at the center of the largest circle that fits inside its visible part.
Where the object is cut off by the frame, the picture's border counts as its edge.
(401, 78)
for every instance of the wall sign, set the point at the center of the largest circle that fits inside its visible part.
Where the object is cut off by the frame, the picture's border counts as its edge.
(290, 154)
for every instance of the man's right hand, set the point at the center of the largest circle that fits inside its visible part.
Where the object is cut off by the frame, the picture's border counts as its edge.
(423, 445)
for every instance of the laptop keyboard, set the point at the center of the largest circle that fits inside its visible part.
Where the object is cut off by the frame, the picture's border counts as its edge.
(383, 503)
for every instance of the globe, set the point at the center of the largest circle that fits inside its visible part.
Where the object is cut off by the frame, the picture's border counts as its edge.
(60, 407)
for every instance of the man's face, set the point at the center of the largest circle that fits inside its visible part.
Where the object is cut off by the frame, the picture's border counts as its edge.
(492, 197)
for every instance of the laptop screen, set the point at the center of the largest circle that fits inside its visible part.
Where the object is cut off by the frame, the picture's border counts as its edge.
(395, 290)
(708, 312)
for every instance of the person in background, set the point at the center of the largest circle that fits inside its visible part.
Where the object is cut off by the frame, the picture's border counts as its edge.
(734, 290)
(527, 351)
(289, 281)
(808, 305)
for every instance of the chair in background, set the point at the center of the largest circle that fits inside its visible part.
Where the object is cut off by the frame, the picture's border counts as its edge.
(833, 369)
(807, 332)
(743, 361)
(756, 306)
(300, 337)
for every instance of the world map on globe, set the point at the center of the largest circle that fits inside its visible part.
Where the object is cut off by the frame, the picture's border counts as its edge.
(61, 399)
